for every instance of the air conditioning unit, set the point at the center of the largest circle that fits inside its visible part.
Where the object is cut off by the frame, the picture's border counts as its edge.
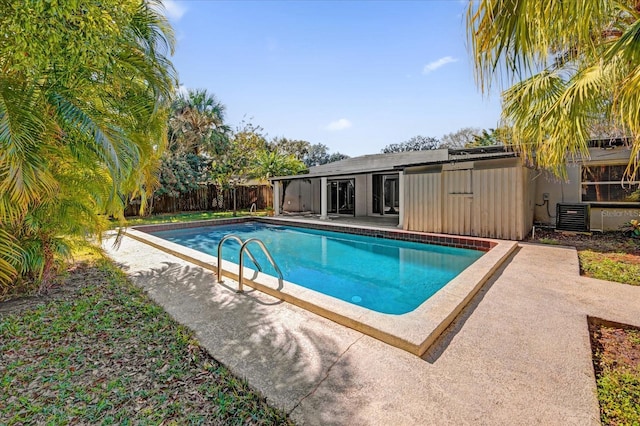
(573, 217)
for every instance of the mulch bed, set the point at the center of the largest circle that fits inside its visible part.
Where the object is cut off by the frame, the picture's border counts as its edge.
(607, 242)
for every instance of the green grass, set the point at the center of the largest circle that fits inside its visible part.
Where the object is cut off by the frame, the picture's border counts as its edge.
(618, 380)
(187, 217)
(619, 395)
(107, 355)
(609, 266)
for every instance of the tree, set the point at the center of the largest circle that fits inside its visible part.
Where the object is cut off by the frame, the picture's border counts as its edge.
(196, 133)
(84, 89)
(577, 63)
(182, 173)
(298, 148)
(196, 123)
(491, 137)
(269, 164)
(318, 154)
(336, 156)
(459, 138)
(236, 163)
(603, 128)
(416, 143)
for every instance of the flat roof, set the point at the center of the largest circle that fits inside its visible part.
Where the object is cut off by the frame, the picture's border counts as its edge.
(392, 162)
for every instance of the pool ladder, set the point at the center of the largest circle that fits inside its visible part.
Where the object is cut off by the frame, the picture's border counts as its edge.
(244, 248)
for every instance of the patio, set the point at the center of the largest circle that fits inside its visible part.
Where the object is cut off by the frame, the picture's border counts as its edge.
(377, 221)
(518, 354)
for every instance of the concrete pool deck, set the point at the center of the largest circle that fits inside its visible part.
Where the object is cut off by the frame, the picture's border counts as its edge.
(414, 331)
(519, 353)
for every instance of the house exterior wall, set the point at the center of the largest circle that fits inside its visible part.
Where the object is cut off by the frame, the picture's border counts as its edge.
(502, 202)
(491, 198)
(362, 195)
(457, 198)
(423, 200)
(298, 196)
(369, 190)
(315, 196)
(558, 190)
(303, 195)
(603, 216)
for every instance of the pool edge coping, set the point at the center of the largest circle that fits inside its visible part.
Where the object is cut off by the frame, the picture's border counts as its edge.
(413, 332)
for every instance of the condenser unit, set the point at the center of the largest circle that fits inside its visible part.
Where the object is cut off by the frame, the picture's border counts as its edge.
(572, 217)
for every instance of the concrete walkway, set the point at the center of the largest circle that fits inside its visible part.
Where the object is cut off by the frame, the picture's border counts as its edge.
(518, 354)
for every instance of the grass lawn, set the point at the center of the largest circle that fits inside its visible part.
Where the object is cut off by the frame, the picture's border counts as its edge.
(187, 217)
(616, 359)
(619, 267)
(616, 349)
(609, 256)
(98, 351)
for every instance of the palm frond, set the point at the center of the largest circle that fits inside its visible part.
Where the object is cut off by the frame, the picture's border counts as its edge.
(513, 39)
(22, 127)
(10, 255)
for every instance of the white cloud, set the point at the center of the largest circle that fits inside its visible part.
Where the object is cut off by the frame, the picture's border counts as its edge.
(340, 124)
(432, 66)
(174, 9)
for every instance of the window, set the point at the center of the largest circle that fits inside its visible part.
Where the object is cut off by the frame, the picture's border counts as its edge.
(604, 184)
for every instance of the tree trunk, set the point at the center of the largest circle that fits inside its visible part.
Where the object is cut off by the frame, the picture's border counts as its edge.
(234, 202)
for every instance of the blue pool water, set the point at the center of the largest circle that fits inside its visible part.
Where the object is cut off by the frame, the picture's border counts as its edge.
(383, 275)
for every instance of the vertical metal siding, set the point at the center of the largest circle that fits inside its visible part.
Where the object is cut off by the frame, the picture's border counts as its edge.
(458, 201)
(493, 203)
(497, 210)
(422, 202)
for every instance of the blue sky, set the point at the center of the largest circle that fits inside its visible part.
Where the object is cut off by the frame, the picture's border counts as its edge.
(355, 76)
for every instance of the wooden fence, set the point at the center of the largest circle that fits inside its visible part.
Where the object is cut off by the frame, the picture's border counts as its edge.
(206, 199)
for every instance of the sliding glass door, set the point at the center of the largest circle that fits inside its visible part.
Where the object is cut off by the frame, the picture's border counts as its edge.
(342, 196)
(386, 194)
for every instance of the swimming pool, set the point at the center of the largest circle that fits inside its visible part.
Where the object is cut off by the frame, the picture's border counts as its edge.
(386, 276)
(414, 331)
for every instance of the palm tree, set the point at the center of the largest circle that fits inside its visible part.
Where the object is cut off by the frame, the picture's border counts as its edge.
(197, 123)
(269, 164)
(82, 120)
(574, 64)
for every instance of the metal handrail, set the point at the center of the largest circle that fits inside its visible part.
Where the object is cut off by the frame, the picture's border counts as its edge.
(235, 238)
(266, 252)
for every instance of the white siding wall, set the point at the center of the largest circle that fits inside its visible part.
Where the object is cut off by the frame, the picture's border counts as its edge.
(423, 203)
(493, 202)
(362, 195)
(499, 203)
(457, 197)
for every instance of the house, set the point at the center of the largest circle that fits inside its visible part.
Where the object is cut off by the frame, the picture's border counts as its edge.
(482, 192)
(596, 184)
